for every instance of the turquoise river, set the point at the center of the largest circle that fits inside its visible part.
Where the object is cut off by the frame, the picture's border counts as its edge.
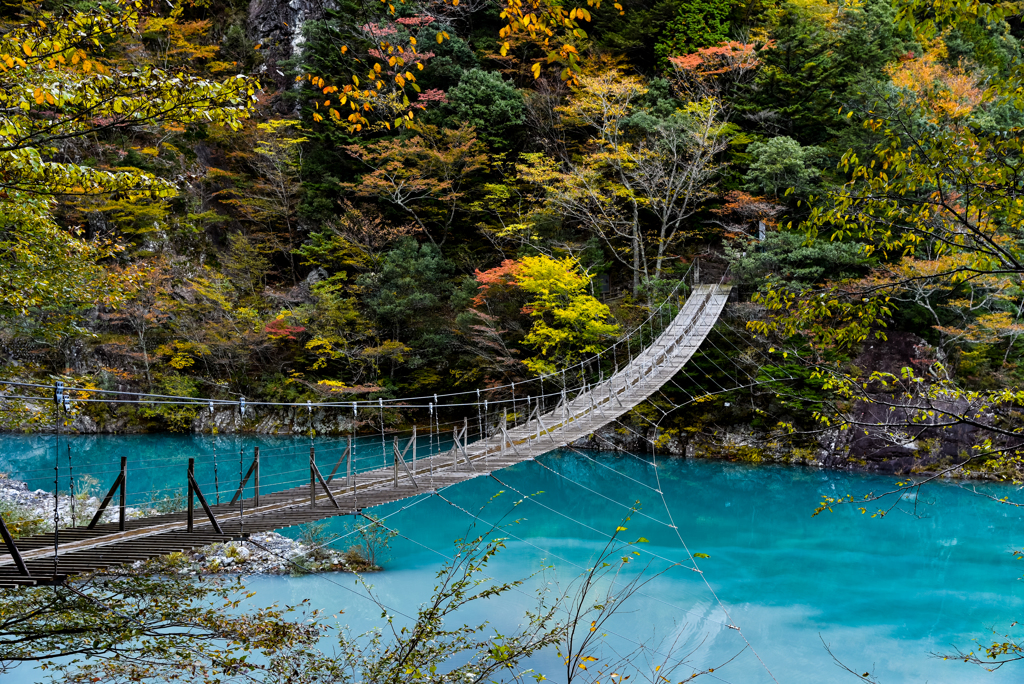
(887, 594)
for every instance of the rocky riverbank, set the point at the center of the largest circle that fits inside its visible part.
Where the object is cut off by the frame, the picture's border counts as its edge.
(265, 553)
(32, 511)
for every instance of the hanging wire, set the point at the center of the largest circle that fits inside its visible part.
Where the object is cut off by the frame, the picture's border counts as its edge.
(383, 444)
(58, 400)
(241, 471)
(216, 479)
(71, 484)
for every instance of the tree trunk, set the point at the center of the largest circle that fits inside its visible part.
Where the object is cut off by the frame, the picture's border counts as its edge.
(145, 357)
(636, 264)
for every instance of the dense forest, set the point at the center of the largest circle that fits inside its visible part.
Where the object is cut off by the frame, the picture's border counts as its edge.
(300, 201)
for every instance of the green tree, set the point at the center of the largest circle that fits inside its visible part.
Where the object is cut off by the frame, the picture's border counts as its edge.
(794, 258)
(246, 264)
(407, 297)
(823, 56)
(782, 163)
(484, 100)
(271, 200)
(697, 24)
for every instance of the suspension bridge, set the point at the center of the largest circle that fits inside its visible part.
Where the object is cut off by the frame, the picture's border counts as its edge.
(549, 421)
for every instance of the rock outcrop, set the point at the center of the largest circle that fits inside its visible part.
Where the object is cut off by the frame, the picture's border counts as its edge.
(276, 25)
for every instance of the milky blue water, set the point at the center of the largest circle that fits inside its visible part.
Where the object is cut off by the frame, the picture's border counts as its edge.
(886, 593)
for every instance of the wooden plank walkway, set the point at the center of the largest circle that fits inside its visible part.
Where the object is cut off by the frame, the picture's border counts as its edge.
(83, 550)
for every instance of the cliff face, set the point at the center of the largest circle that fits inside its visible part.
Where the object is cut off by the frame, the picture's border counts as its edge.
(277, 26)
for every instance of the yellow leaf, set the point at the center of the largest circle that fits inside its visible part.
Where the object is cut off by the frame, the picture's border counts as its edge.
(620, 529)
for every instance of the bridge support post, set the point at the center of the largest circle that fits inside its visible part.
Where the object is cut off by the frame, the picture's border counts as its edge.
(12, 549)
(314, 476)
(121, 498)
(542, 429)
(505, 438)
(120, 482)
(256, 475)
(194, 491)
(400, 459)
(344, 456)
(191, 492)
(504, 434)
(254, 467)
(460, 445)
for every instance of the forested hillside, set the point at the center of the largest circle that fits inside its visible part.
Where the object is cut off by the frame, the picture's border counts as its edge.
(360, 199)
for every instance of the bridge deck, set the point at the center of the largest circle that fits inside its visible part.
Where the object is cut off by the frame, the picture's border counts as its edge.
(105, 546)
